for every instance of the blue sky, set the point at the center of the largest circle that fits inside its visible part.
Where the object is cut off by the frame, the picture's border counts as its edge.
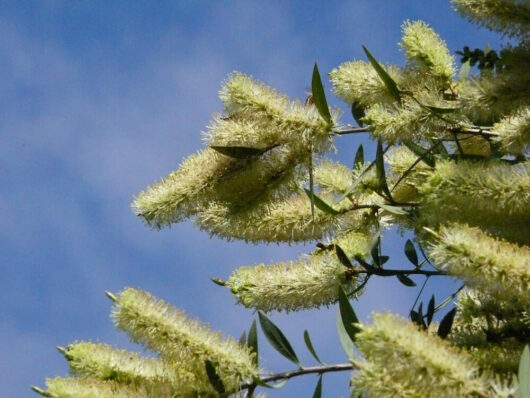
(98, 100)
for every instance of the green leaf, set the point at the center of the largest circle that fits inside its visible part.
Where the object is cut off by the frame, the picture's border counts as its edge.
(357, 112)
(343, 257)
(214, 378)
(318, 388)
(404, 279)
(359, 157)
(524, 373)
(319, 97)
(240, 152)
(464, 71)
(380, 170)
(447, 322)
(252, 341)
(277, 339)
(374, 252)
(319, 203)
(349, 318)
(426, 156)
(398, 210)
(441, 111)
(310, 347)
(243, 339)
(345, 341)
(430, 310)
(261, 383)
(410, 252)
(390, 84)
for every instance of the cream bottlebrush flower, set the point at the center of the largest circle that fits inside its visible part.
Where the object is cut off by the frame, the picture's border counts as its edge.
(358, 82)
(300, 124)
(492, 195)
(425, 48)
(176, 196)
(514, 132)
(407, 122)
(178, 339)
(73, 387)
(402, 361)
(400, 160)
(288, 220)
(310, 282)
(103, 362)
(333, 177)
(509, 17)
(495, 266)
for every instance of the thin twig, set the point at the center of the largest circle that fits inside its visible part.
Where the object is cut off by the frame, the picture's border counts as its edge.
(351, 130)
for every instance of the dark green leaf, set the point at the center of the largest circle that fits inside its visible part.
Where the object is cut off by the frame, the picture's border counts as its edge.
(398, 210)
(345, 341)
(447, 322)
(357, 112)
(374, 252)
(318, 388)
(390, 84)
(240, 152)
(343, 257)
(383, 260)
(319, 203)
(252, 341)
(277, 339)
(440, 111)
(410, 252)
(406, 280)
(415, 317)
(524, 373)
(420, 315)
(214, 378)
(319, 97)
(359, 157)
(349, 318)
(430, 310)
(380, 170)
(243, 339)
(310, 347)
(425, 154)
(261, 383)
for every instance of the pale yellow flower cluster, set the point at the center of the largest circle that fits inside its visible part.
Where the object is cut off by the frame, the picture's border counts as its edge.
(514, 131)
(403, 361)
(310, 282)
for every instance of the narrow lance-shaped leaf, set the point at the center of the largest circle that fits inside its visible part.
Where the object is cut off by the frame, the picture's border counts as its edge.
(277, 339)
(404, 279)
(447, 322)
(243, 339)
(430, 310)
(410, 252)
(390, 84)
(349, 318)
(380, 170)
(318, 388)
(214, 378)
(344, 338)
(357, 112)
(359, 157)
(343, 257)
(240, 152)
(319, 97)
(252, 341)
(420, 315)
(425, 154)
(524, 373)
(321, 204)
(309, 345)
(397, 210)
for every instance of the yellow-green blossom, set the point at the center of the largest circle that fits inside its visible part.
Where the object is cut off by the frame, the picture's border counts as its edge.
(425, 48)
(403, 361)
(333, 177)
(509, 17)
(514, 131)
(493, 195)
(103, 362)
(246, 98)
(358, 82)
(177, 338)
(495, 266)
(73, 387)
(175, 197)
(310, 282)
